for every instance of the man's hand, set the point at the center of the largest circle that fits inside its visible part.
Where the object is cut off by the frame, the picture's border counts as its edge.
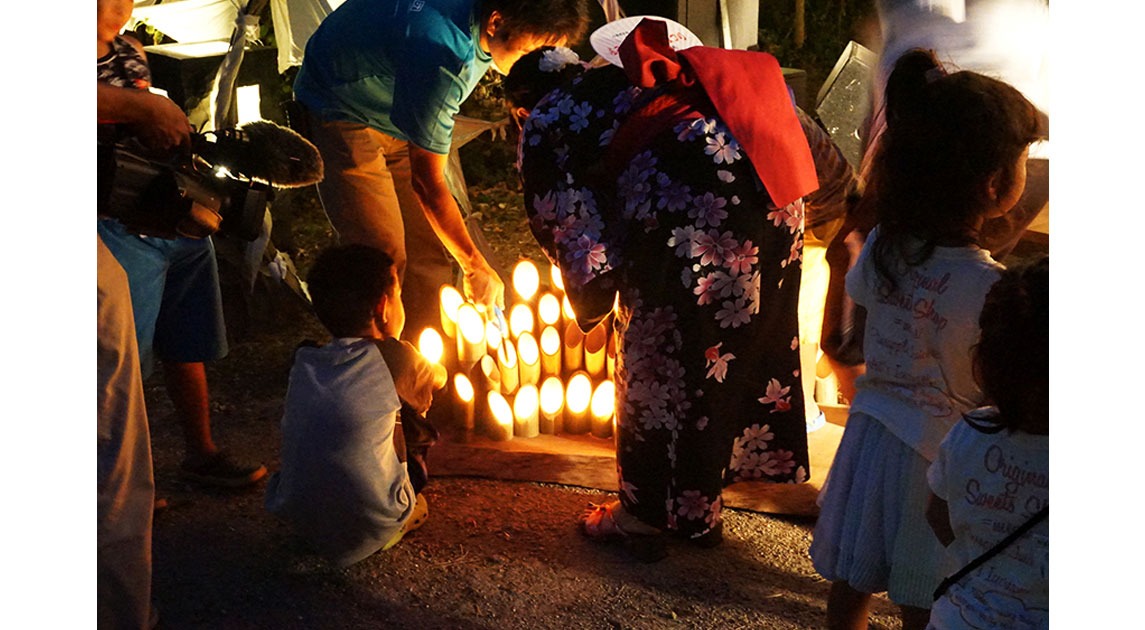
(484, 287)
(165, 126)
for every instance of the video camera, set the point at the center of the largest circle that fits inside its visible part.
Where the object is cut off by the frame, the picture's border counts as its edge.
(224, 184)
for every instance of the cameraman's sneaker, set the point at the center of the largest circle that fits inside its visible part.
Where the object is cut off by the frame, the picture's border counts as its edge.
(221, 471)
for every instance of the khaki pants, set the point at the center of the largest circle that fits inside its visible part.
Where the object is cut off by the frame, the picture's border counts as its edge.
(368, 197)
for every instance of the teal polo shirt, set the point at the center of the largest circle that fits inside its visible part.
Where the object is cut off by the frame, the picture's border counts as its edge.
(401, 66)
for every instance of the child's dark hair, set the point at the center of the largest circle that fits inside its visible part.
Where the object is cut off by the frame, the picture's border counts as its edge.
(553, 19)
(346, 283)
(946, 136)
(529, 79)
(1012, 358)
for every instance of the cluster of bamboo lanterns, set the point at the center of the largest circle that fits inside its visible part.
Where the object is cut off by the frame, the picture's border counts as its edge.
(528, 371)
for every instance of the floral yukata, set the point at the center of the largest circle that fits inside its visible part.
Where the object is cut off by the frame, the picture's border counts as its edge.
(707, 271)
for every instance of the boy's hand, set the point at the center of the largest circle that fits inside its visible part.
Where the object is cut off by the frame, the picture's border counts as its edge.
(164, 125)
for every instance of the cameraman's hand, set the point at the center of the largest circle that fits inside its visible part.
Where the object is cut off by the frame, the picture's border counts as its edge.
(484, 287)
(164, 126)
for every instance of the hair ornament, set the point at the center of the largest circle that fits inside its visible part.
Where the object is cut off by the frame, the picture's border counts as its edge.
(556, 59)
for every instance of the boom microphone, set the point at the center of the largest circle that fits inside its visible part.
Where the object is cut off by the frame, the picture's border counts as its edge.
(263, 152)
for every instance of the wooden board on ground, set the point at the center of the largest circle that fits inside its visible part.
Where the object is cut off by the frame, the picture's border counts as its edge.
(590, 462)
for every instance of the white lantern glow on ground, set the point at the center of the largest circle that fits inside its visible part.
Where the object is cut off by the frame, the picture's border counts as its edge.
(552, 402)
(578, 397)
(500, 425)
(471, 337)
(520, 320)
(603, 408)
(526, 410)
(451, 300)
(526, 279)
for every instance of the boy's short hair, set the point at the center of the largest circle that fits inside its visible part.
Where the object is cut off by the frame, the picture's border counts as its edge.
(346, 283)
(547, 18)
(1012, 358)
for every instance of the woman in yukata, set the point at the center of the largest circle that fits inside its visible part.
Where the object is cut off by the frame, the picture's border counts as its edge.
(677, 183)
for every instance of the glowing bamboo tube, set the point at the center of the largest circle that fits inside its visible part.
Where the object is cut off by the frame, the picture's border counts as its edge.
(492, 336)
(552, 402)
(520, 320)
(485, 378)
(508, 363)
(451, 300)
(550, 351)
(567, 309)
(526, 280)
(610, 358)
(463, 396)
(594, 343)
(573, 352)
(430, 345)
(603, 408)
(526, 410)
(471, 337)
(500, 425)
(548, 310)
(529, 359)
(558, 280)
(578, 397)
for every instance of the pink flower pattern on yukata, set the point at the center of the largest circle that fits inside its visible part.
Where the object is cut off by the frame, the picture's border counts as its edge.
(777, 395)
(716, 362)
(693, 505)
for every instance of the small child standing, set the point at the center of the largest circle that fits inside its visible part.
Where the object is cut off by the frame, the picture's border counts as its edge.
(991, 479)
(345, 485)
(953, 154)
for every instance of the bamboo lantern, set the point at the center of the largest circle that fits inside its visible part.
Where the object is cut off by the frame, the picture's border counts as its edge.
(526, 412)
(463, 396)
(500, 423)
(603, 409)
(507, 360)
(610, 358)
(526, 280)
(520, 320)
(529, 359)
(471, 337)
(552, 402)
(578, 397)
(492, 337)
(558, 280)
(573, 352)
(567, 309)
(548, 310)
(594, 350)
(430, 345)
(550, 351)
(451, 300)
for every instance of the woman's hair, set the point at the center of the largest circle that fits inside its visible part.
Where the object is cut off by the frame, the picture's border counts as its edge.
(553, 19)
(539, 72)
(346, 283)
(946, 136)
(1012, 358)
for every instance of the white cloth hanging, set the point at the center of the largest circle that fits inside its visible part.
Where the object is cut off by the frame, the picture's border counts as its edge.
(188, 20)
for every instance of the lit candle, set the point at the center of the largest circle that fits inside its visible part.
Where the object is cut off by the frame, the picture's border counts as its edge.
(573, 354)
(507, 360)
(594, 343)
(471, 340)
(552, 402)
(550, 351)
(578, 397)
(520, 320)
(500, 424)
(492, 336)
(451, 300)
(464, 397)
(603, 408)
(526, 409)
(548, 309)
(558, 280)
(430, 345)
(526, 279)
(529, 356)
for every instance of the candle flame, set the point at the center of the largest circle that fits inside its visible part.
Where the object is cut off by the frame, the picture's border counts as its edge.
(471, 323)
(558, 280)
(526, 279)
(566, 306)
(507, 354)
(492, 336)
(579, 393)
(520, 320)
(548, 309)
(527, 349)
(526, 402)
(463, 387)
(550, 341)
(451, 300)
(430, 345)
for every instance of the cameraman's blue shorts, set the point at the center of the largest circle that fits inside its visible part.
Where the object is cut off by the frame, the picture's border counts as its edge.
(174, 295)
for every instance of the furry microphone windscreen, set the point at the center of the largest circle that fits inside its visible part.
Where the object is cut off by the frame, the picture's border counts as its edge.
(265, 152)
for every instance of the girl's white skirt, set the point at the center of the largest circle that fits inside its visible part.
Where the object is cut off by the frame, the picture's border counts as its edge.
(872, 531)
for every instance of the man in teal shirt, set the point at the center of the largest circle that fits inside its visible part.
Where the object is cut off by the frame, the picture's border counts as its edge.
(382, 81)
